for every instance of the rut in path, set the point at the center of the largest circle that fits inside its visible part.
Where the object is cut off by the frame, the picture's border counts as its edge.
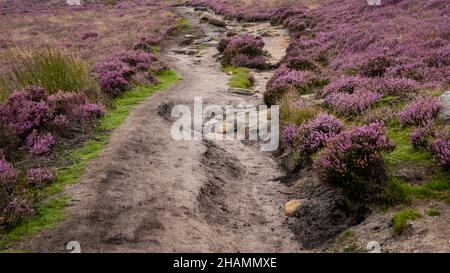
(149, 193)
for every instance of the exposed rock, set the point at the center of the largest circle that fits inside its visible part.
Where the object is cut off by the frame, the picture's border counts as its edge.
(200, 9)
(241, 91)
(444, 115)
(291, 206)
(208, 39)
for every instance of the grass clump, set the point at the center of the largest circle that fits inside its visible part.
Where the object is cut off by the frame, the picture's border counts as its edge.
(241, 77)
(347, 240)
(296, 111)
(400, 220)
(50, 212)
(48, 68)
(183, 25)
(432, 212)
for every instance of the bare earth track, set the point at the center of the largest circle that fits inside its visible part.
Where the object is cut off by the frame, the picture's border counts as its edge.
(149, 193)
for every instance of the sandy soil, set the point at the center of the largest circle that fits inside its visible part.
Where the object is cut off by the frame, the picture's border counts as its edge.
(149, 193)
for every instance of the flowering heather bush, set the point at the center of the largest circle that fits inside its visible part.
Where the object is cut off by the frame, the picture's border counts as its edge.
(40, 145)
(420, 111)
(343, 85)
(289, 134)
(39, 177)
(393, 86)
(300, 63)
(16, 209)
(24, 112)
(313, 135)
(440, 147)
(88, 112)
(135, 58)
(114, 83)
(7, 173)
(243, 50)
(284, 80)
(375, 66)
(421, 135)
(353, 160)
(352, 104)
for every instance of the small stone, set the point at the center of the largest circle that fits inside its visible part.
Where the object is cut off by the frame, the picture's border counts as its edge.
(444, 114)
(291, 206)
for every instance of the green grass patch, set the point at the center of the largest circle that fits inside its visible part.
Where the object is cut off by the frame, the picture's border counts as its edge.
(183, 25)
(400, 192)
(52, 211)
(241, 77)
(400, 220)
(405, 151)
(438, 188)
(432, 212)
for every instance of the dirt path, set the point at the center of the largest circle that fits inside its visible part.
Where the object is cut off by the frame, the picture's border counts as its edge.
(147, 192)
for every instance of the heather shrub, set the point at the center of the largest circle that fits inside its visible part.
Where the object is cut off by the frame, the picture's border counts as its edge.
(420, 111)
(134, 58)
(40, 145)
(375, 66)
(434, 139)
(352, 104)
(50, 69)
(393, 86)
(421, 135)
(353, 160)
(440, 147)
(243, 50)
(7, 172)
(289, 134)
(15, 209)
(73, 108)
(286, 80)
(300, 63)
(343, 85)
(313, 135)
(39, 177)
(114, 76)
(24, 112)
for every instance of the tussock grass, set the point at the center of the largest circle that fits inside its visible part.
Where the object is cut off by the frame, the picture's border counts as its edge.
(48, 68)
(400, 220)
